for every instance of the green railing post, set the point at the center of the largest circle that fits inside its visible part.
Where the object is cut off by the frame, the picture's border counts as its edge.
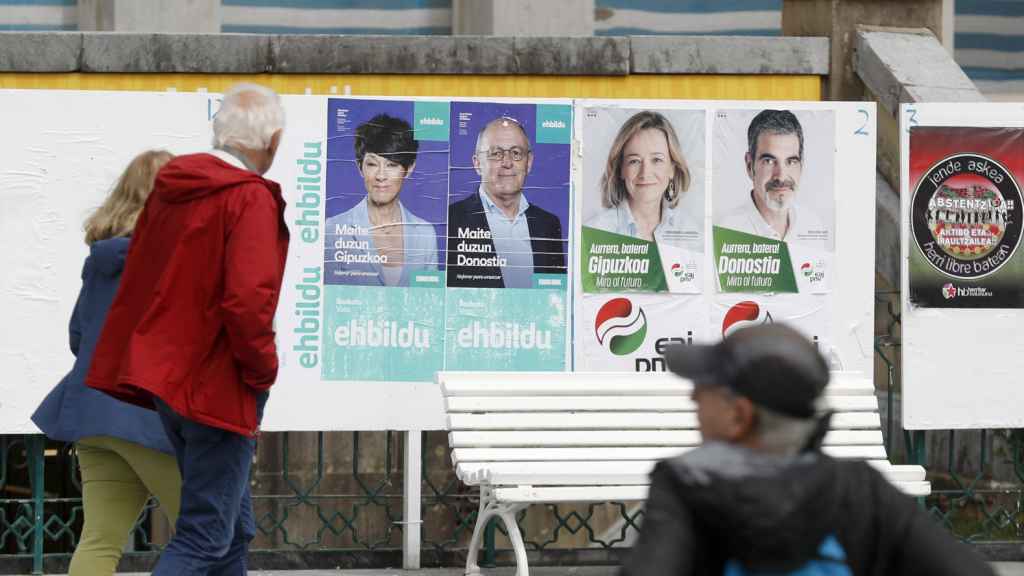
(489, 557)
(918, 453)
(34, 454)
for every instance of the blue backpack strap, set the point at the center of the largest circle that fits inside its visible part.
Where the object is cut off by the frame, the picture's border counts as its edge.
(830, 561)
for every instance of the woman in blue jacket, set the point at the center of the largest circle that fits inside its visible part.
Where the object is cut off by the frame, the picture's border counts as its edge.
(123, 454)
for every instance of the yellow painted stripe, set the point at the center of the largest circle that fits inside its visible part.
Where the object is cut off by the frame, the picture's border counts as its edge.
(677, 86)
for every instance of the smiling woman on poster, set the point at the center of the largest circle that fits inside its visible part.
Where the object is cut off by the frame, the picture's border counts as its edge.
(644, 178)
(379, 242)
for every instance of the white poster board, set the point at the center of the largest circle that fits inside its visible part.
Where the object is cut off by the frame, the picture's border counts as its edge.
(962, 272)
(64, 149)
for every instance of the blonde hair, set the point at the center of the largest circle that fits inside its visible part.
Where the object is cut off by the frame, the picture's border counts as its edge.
(117, 215)
(613, 189)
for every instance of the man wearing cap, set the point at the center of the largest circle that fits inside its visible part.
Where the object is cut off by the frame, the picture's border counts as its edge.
(759, 497)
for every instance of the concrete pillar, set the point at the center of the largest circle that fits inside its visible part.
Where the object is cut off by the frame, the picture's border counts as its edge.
(900, 65)
(180, 16)
(838, 19)
(523, 17)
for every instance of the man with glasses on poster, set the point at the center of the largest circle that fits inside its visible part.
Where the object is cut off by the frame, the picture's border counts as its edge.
(496, 237)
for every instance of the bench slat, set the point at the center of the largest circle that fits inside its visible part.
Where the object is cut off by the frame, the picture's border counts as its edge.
(467, 439)
(578, 475)
(854, 420)
(559, 438)
(915, 488)
(550, 387)
(614, 421)
(865, 452)
(899, 472)
(572, 493)
(679, 403)
(574, 421)
(552, 494)
(868, 403)
(584, 473)
(636, 453)
(600, 383)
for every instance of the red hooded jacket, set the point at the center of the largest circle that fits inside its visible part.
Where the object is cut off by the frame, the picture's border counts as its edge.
(192, 323)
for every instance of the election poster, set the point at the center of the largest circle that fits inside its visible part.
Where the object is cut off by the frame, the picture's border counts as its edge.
(507, 236)
(732, 312)
(630, 332)
(755, 225)
(966, 217)
(962, 270)
(643, 199)
(383, 257)
(773, 213)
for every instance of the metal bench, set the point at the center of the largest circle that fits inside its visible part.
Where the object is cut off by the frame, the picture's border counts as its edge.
(547, 437)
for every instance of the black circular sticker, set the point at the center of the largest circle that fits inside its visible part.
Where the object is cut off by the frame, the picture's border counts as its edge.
(966, 215)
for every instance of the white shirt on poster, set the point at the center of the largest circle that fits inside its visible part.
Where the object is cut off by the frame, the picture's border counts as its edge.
(804, 225)
(676, 228)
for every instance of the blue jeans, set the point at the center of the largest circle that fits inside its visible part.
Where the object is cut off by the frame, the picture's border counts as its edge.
(216, 523)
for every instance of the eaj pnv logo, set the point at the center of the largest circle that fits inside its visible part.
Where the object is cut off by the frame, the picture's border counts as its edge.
(966, 216)
(620, 326)
(742, 314)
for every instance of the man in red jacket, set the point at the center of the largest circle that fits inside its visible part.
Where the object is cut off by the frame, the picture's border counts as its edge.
(190, 332)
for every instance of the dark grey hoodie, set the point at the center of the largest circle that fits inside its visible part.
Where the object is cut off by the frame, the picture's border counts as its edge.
(724, 505)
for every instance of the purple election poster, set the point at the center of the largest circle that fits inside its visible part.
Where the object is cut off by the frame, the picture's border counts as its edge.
(387, 186)
(508, 202)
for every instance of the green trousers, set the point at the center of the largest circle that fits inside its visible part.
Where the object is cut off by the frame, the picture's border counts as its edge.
(117, 479)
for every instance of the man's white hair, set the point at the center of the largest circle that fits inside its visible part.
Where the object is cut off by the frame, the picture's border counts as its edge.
(248, 117)
(780, 433)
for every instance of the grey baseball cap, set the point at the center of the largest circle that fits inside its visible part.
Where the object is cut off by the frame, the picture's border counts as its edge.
(771, 364)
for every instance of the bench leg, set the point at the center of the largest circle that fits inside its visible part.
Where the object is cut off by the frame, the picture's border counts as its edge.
(487, 505)
(508, 516)
(489, 508)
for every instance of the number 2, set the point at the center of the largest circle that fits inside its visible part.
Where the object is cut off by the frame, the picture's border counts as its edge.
(867, 117)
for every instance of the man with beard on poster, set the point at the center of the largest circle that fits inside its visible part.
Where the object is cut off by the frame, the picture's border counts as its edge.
(774, 163)
(496, 238)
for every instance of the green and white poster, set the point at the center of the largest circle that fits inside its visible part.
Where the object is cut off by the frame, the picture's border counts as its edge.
(773, 213)
(643, 200)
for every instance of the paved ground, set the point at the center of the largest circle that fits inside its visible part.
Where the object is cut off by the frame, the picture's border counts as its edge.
(1002, 569)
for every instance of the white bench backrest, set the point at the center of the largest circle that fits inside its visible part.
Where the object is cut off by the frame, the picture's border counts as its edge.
(510, 428)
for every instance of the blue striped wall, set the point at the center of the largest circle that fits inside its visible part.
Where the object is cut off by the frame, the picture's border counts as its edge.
(989, 34)
(38, 15)
(337, 16)
(989, 43)
(704, 17)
